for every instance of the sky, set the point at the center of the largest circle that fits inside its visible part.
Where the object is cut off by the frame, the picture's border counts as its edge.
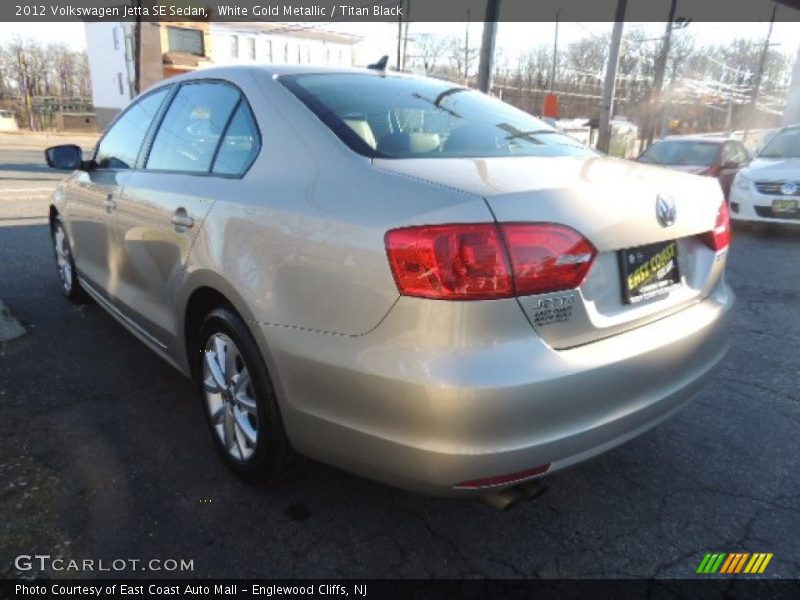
(512, 38)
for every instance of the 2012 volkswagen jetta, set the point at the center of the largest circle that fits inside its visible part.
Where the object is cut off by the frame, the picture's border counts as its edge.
(395, 275)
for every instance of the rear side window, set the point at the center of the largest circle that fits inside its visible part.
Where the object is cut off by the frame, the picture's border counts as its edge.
(743, 154)
(121, 144)
(188, 137)
(240, 145)
(730, 153)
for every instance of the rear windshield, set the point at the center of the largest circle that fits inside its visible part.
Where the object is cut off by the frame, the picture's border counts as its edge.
(784, 144)
(403, 117)
(682, 153)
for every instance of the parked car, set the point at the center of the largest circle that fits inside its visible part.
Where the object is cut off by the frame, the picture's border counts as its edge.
(401, 277)
(716, 157)
(768, 190)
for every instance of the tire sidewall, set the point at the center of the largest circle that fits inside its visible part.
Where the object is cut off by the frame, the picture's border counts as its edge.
(73, 292)
(267, 452)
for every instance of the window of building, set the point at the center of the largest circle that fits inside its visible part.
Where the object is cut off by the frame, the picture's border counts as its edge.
(269, 51)
(250, 47)
(234, 46)
(185, 40)
(286, 52)
(115, 33)
(188, 136)
(119, 83)
(240, 145)
(121, 144)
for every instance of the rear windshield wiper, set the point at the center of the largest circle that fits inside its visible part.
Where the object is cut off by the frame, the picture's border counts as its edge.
(446, 93)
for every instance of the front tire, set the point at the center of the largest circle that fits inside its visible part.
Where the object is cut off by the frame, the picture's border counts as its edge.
(239, 400)
(68, 274)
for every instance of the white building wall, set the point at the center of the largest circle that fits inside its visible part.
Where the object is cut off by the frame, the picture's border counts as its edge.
(109, 64)
(275, 48)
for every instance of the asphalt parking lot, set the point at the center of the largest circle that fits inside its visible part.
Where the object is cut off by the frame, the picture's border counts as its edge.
(104, 454)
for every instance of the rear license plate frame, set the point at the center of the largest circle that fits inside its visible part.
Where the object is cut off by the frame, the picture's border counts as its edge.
(649, 271)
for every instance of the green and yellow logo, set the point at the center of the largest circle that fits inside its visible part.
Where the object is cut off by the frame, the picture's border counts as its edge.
(735, 562)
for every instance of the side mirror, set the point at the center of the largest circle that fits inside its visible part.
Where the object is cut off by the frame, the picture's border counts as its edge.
(68, 156)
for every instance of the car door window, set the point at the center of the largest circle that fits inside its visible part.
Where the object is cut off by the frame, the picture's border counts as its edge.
(189, 134)
(240, 145)
(120, 145)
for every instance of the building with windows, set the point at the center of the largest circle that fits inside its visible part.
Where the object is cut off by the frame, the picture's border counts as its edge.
(168, 49)
(165, 50)
(282, 44)
(110, 54)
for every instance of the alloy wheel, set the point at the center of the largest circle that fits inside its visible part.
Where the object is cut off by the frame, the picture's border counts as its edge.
(63, 258)
(230, 399)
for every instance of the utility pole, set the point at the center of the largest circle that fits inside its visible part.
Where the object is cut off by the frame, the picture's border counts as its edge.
(399, 38)
(487, 46)
(22, 62)
(759, 74)
(466, 50)
(137, 51)
(607, 110)
(729, 117)
(658, 79)
(791, 116)
(405, 35)
(555, 54)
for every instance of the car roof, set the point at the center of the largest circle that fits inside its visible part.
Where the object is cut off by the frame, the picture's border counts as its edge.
(235, 71)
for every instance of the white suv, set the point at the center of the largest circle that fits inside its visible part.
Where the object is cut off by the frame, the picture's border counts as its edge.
(768, 189)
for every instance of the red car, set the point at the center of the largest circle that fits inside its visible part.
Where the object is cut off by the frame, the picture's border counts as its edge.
(716, 157)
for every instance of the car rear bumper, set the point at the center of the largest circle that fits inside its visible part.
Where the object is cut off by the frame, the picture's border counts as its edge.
(470, 392)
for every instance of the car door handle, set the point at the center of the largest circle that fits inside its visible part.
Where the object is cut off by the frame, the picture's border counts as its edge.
(110, 203)
(181, 220)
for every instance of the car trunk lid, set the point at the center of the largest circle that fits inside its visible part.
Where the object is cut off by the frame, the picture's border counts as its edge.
(612, 203)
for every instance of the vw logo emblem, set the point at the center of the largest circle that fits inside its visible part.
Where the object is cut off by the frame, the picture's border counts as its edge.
(665, 210)
(789, 189)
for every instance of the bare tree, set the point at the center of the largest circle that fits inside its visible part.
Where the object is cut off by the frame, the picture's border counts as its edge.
(431, 49)
(461, 59)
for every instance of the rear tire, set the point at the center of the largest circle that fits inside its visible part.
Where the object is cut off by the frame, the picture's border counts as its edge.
(238, 399)
(65, 263)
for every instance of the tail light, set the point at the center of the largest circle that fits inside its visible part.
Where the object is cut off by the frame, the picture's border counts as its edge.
(546, 257)
(485, 261)
(719, 238)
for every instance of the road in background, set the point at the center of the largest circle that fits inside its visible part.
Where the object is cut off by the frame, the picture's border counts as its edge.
(26, 181)
(104, 454)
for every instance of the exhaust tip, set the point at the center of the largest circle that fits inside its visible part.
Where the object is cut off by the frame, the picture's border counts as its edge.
(503, 499)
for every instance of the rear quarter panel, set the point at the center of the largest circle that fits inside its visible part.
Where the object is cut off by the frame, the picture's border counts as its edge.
(300, 238)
